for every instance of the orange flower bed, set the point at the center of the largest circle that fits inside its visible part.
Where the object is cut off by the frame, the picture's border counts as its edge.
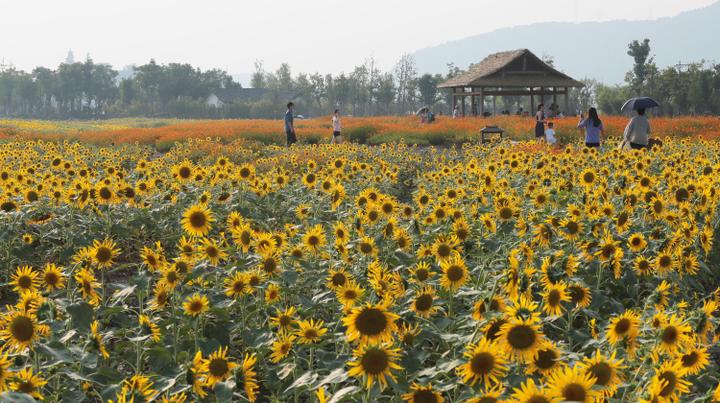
(372, 130)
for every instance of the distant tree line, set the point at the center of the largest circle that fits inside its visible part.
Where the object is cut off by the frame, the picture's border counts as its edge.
(684, 89)
(95, 90)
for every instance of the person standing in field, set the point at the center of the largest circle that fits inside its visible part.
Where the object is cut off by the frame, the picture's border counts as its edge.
(540, 123)
(637, 132)
(593, 128)
(290, 125)
(337, 128)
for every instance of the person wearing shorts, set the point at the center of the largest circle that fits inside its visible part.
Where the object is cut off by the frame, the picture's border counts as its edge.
(337, 128)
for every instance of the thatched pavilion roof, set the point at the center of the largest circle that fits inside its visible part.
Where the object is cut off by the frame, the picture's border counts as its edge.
(516, 68)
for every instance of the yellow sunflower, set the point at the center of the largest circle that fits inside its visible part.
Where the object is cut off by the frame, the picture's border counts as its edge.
(375, 362)
(455, 273)
(529, 392)
(572, 385)
(249, 377)
(422, 394)
(310, 331)
(103, 253)
(623, 327)
(486, 363)
(423, 305)
(370, 324)
(24, 279)
(218, 367)
(24, 381)
(197, 220)
(521, 338)
(606, 370)
(196, 304)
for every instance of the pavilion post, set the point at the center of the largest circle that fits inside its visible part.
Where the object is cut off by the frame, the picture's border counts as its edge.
(542, 95)
(555, 104)
(462, 106)
(473, 107)
(482, 101)
(532, 101)
(567, 101)
(454, 100)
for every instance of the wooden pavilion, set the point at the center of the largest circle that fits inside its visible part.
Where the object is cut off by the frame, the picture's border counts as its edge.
(514, 73)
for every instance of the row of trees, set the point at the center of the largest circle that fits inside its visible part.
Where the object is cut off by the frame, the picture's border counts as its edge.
(684, 89)
(93, 90)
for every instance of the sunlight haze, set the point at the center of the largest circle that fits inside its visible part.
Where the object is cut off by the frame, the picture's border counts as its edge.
(324, 36)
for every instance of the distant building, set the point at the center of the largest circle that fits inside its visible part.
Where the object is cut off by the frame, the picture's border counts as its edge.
(224, 96)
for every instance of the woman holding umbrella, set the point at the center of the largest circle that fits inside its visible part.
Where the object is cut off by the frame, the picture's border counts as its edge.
(637, 132)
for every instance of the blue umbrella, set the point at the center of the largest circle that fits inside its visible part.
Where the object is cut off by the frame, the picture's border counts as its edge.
(639, 103)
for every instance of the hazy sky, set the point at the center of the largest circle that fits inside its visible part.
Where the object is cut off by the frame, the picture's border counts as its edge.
(311, 35)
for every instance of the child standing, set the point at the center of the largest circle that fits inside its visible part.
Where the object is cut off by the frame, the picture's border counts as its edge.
(337, 128)
(550, 134)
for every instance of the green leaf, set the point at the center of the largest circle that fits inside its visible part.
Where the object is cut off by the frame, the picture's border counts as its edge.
(55, 350)
(304, 380)
(336, 376)
(16, 397)
(121, 295)
(223, 392)
(81, 314)
(342, 393)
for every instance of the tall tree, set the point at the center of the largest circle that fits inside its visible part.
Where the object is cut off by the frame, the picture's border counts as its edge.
(639, 51)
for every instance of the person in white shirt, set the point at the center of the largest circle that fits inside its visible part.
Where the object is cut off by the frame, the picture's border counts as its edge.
(337, 128)
(637, 132)
(550, 134)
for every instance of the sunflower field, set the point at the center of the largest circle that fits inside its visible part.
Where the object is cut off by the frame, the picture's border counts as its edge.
(220, 271)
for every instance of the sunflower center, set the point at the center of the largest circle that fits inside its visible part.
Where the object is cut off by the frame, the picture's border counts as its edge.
(454, 273)
(574, 392)
(690, 359)
(103, 254)
(22, 329)
(603, 372)
(424, 302)
(218, 367)
(338, 279)
(506, 213)
(665, 261)
(622, 326)
(269, 265)
(196, 306)
(521, 337)
(310, 333)
(371, 321)
(424, 396)
(443, 250)
(375, 362)
(365, 247)
(554, 298)
(284, 320)
(421, 274)
(482, 363)
(313, 240)
(26, 387)
(669, 335)
(238, 286)
(24, 281)
(546, 359)
(198, 219)
(51, 278)
(576, 294)
(211, 251)
(105, 193)
(171, 276)
(671, 382)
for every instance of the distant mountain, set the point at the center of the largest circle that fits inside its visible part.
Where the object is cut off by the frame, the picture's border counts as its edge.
(590, 50)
